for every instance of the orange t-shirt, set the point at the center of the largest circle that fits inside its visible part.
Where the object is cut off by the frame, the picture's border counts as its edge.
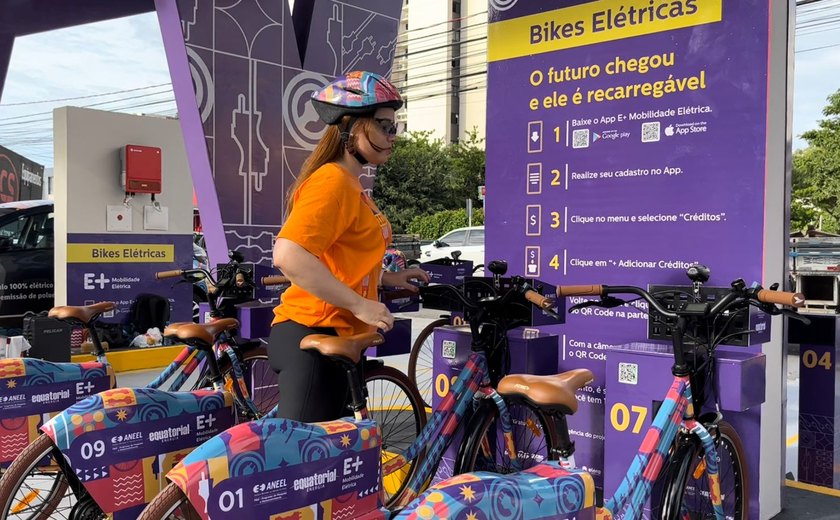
(335, 220)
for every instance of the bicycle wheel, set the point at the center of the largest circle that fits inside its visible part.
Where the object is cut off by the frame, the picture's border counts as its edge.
(170, 504)
(32, 490)
(420, 362)
(484, 447)
(686, 491)
(396, 406)
(260, 379)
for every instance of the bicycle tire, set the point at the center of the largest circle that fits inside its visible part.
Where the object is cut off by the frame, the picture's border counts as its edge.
(533, 433)
(734, 481)
(166, 503)
(422, 355)
(267, 394)
(398, 429)
(15, 476)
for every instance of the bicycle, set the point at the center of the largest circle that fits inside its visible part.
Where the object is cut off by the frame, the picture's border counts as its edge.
(251, 477)
(679, 448)
(393, 402)
(42, 482)
(420, 362)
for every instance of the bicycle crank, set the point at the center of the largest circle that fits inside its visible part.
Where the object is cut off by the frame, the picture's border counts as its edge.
(86, 509)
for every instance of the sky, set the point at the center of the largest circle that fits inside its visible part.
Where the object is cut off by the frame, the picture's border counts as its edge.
(126, 57)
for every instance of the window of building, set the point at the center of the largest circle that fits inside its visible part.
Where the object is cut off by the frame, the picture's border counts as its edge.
(456, 7)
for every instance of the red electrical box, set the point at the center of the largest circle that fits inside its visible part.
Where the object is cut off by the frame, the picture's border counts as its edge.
(140, 168)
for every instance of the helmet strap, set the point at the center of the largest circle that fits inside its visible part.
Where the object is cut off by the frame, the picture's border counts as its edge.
(345, 138)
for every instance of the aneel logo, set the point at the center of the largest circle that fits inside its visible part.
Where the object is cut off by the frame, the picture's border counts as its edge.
(136, 436)
(270, 486)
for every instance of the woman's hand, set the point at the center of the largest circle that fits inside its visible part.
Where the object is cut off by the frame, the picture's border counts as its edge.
(401, 279)
(374, 313)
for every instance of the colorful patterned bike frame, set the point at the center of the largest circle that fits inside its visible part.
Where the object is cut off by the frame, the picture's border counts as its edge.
(247, 458)
(255, 466)
(99, 422)
(472, 384)
(36, 376)
(555, 490)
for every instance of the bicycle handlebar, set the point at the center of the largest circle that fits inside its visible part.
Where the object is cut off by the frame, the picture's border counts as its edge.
(175, 273)
(781, 298)
(579, 290)
(760, 295)
(543, 302)
(275, 279)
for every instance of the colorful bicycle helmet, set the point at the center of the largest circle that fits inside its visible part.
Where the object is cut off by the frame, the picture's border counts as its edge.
(357, 94)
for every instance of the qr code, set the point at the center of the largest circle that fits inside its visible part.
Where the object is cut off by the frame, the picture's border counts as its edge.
(580, 138)
(650, 132)
(628, 373)
(448, 349)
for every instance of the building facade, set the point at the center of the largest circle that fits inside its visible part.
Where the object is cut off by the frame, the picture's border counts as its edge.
(441, 67)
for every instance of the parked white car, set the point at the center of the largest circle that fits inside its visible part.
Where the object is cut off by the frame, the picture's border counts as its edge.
(469, 241)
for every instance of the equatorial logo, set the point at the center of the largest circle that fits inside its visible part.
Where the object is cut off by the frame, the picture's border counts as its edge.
(315, 481)
(169, 434)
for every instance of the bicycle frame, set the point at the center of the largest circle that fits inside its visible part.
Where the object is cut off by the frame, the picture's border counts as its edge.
(472, 383)
(250, 459)
(675, 414)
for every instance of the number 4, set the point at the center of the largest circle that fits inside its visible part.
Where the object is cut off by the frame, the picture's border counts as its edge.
(811, 359)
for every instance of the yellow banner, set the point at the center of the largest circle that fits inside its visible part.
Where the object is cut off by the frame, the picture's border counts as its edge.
(596, 22)
(125, 253)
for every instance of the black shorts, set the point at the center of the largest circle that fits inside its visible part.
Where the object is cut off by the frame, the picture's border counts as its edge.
(312, 387)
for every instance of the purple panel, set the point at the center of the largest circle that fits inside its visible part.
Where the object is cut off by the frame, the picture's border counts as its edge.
(244, 86)
(741, 379)
(122, 282)
(6, 43)
(507, 9)
(193, 100)
(254, 319)
(819, 421)
(621, 221)
(397, 340)
(441, 272)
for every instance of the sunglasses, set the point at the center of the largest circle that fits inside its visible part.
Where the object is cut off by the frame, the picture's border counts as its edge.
(387, 126)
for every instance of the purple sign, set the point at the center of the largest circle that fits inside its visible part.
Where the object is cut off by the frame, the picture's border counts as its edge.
(243, 74)
(625, 142)
(48, 398)
(296, 486)
(118, 268)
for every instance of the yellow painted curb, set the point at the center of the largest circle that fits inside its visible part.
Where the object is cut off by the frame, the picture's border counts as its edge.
(139, 359)
(815, 489)
(793, 440)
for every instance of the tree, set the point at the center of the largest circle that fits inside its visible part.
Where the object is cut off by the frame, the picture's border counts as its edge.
(413, 181)
(816, 173)
(424, 176)
(468, 162)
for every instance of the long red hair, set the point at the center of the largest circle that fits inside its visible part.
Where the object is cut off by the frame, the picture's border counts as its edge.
(329, 149)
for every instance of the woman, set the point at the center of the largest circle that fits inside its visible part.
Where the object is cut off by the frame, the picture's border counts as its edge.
(332, 244)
